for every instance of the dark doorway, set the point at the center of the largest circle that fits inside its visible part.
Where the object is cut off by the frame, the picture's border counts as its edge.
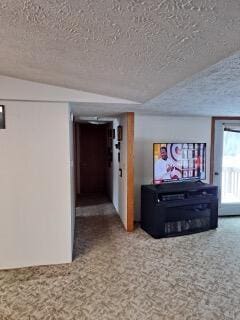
(93, 158)
(93, 168)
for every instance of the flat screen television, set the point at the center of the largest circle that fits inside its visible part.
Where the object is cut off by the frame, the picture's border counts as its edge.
(178, 161)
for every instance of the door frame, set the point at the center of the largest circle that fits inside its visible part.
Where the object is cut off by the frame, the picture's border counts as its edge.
(213, 125)
(224, 210)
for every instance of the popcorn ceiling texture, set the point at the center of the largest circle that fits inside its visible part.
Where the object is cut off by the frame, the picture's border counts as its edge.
(211, 92)
(214, 91)
(131, 49)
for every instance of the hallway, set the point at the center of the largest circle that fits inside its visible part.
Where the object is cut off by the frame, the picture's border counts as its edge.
(94, 205)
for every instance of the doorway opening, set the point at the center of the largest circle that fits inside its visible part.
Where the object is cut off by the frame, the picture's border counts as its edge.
(230, 192)
(104, 165)
(226, 164)
(93, 168)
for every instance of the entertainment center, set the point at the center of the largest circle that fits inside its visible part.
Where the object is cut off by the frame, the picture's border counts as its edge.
(178, 208)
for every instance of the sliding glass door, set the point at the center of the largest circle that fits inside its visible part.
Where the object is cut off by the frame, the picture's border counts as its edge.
(231, 166)
(227, 166)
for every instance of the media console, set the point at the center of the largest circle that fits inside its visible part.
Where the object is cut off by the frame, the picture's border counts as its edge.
(178, 208)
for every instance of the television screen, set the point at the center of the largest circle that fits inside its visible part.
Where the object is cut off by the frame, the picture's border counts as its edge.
(178, 161)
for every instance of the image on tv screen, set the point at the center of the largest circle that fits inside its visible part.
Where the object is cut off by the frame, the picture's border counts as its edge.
(178, 161)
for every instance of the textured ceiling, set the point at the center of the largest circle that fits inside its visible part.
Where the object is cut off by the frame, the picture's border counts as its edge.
(214, 92)
(132, 49)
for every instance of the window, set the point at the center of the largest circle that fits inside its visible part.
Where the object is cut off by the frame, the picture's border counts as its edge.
(2, 117)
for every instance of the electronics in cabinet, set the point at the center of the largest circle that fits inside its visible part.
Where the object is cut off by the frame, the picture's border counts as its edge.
(178, 208)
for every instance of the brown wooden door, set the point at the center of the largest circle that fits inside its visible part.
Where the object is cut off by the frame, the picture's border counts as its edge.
(93, 140)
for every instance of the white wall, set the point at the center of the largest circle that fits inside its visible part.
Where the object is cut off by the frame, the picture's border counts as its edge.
(115, 165)
(119, 184)
(72, 176)
(16, 89)
(150, 129)
(37, 212)
(122, 181)
(35, 186)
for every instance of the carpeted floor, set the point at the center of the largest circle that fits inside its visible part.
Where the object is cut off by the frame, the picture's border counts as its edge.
(94, 204)
(116, 275)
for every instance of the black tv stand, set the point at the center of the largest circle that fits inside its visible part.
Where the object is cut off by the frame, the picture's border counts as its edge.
(178, 208)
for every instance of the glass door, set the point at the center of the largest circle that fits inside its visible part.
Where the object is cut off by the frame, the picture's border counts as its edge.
(227, 166)
(231, 166)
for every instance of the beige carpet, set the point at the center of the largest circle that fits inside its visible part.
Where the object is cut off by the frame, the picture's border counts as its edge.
(123, 276)
(94, 204)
